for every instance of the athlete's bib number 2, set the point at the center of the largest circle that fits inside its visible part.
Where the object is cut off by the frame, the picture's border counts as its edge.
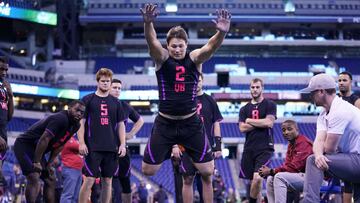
(179, 85)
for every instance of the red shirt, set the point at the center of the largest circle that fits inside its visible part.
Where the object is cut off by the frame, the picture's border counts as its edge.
(70, 156)
(296, 155)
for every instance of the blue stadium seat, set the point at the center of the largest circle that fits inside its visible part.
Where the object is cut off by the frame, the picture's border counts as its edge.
(333, 187)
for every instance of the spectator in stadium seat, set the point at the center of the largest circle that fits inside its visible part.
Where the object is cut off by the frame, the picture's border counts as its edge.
(219, 188)
(104, 127)
(135, 193)
(58, 178)
(337, 143)
(160, 196)
(256, 119)
(178, 181)
(6, 112)
(121, 180)
(290, 175)
(143, 193)
(345, 83)
(177, 73)
(46, 136)
(18, 183)
(231, 196)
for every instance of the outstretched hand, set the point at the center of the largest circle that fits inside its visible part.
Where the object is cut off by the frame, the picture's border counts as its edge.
(149, 13)
(222, 21)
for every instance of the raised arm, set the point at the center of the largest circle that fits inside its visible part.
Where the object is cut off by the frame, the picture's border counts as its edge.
(222, 24)
(157, 52)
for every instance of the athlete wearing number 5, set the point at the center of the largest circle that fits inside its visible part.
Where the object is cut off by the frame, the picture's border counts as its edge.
(101, 137)
(256, 119)
(177, 73)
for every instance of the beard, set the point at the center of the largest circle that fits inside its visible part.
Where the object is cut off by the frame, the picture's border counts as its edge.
(343, 91)
(255, 96)
(319, 102)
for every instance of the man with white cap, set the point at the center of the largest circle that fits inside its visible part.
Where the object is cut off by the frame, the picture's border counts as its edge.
(337, 143)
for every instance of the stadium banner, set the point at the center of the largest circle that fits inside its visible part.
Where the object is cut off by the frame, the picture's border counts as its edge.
(41, 17)
(45, 91)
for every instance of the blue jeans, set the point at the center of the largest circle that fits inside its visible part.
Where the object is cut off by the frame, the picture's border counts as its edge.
(72, 183)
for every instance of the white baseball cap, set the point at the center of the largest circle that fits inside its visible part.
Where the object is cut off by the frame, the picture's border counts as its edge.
(320, 81)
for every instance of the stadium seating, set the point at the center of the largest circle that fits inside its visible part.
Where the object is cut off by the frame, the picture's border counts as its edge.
(122, 65)
(27, 79)
(227, 129)
(222, 165)
(307, 129)
(245, 7)
(24, 4)
(165, 175)
(20, 124)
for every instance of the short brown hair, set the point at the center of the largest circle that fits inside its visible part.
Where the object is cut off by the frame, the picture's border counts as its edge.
(104, 72)
(258, 80)
(176, 32)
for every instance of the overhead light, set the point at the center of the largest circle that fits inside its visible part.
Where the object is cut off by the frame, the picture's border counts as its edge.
(139, 103)
(22, 51)
(225, 152)
(148, 186)
(289, 7)
(171, 8)
(44, 101)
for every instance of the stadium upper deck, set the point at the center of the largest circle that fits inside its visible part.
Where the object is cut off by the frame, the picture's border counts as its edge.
(243, 7)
